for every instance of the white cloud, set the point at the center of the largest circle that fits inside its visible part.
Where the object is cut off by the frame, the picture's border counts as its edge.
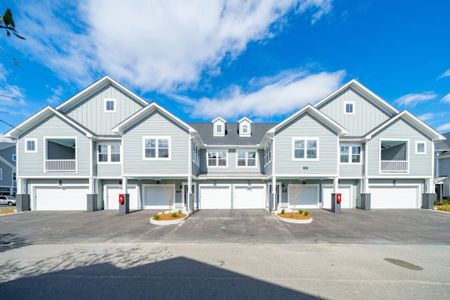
(445, 74)
(444, 127)
(283, 95)
(151, 45)
(427, 116)
(11, 95)
(56, 95)
(446, 98)
(3, 73)
(415, 98)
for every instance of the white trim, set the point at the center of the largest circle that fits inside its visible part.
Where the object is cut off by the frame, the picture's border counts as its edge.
(108, 153)
(263, 185)
(183, 184)
(219, 122)
(245, 122)
(45, 138)
(129, 186)
(305, 139)
(394, 140)
(159, 206)
(246, 159)
(350, 154)
(157, 138)
(317, 186)
(150, 175)
(245, 119)
(424, 147)
(218, 119)
(340, 186)
(14, 157)
(105, 105)
(418, 185)
(35, 140)
(217, 158)
(36, 185)
(230, 187)
(345, 107)
(301, 176)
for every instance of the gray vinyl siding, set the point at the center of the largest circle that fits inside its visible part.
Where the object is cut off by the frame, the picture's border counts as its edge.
(444, 167)
(32, 164)
(352, 170)
(6, 179)
(419, 164)
(268, 169)
(195, 169)
(231, 168)
(155, 125)
(306, 126)
(366, 117)
(106, 169)
(53, 182)
(90, 113)
(7, 154)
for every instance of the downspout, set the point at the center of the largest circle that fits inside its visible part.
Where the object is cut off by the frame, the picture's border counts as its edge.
(274, 179)
(188, 201)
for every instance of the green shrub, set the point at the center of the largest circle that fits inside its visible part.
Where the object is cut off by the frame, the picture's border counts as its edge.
(436, 202)
(306, 213)
(156, 217)
(282, 211)
(445, 202)
(174, 215)
(300, 211)
(180, 212)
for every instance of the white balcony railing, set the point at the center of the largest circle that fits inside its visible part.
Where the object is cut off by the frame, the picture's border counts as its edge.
(394, 167)
(60, 165)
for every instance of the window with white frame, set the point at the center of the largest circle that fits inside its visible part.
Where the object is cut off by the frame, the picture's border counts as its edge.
(421, 147)
(30, 145)
(156, 148)
(350, 154)
(268, 154)
(195, 154)
(14, 177)
(349, 107)
(305, 149)
(246, 158)
(14, 157)
(110, 105)
(108, 152)
(217, 158)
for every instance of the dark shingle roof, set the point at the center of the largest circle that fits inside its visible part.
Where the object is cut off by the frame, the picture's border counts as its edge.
(205, 130)
(445, 144)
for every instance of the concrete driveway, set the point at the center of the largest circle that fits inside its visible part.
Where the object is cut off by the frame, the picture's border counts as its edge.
(412, 227)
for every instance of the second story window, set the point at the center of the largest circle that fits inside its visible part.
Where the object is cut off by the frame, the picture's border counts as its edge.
(350, 154)
(305, 149)
(195, 154)
(110, 105)
(349, 108)
(421, 147)
(156, 148)
(217, 159)
(30, 145)
(13, 157)
(246, 158)
(219, 128)
(109, 153)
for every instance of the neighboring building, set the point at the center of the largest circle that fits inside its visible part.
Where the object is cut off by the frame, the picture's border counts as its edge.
(442, 170)
(7, 168)
(106, 140)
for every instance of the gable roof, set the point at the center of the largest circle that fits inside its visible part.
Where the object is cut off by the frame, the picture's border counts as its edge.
(42, 115)
(218, 119)
(141, 114)
(91, 89)
(417, 123)
(231, 137)
(314, 112)
(7, 163)
(357, 86)
(5, 145)
(245, 119)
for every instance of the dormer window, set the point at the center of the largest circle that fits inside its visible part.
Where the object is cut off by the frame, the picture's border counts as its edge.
(245, 127)
(110, 105)
(349, 107)
(219, 126)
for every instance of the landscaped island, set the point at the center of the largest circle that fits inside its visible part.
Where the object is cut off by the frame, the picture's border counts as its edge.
(294, 216)
(168, 217)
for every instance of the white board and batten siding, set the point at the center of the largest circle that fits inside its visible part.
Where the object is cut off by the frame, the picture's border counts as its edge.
(155, 124)
(232, 196)
(91, 112)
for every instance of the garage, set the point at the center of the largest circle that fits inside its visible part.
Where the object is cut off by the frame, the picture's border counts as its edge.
(112, 192)
(215, 196)
(395, 196)
(345, 191)
(60, 198)
(303, 195)
(249, 196)
(158, 196)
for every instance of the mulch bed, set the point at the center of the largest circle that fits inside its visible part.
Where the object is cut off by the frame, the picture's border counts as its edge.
(168, 217)
(296, 216)
(7, 211)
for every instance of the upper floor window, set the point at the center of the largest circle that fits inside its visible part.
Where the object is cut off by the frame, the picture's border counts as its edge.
(195, 154)
(14, 177)
(109, 152)
(110, 105)
(217, 158)
(350, 154)
(1, 173)
(219, 126)
(30, 145)
(305, 149)
(421, 147)
(268, 154)
(13, 157)
(349, 107)
(156, 147)
(246, 158)
(245, 129)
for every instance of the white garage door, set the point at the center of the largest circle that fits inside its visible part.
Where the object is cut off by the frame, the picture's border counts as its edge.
(394, 197)
(303, 195)
(159, 196)
(60, 198)
(112, 196)
(346, 192)
(249, 196)
(215, 197)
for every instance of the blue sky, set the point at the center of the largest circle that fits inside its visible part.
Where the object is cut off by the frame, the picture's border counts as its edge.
(258, 59)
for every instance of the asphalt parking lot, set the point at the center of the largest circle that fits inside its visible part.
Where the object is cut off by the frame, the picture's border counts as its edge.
(411, 227)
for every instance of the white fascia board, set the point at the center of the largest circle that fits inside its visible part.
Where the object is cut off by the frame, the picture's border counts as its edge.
(245, 119)
(219, 119)
(40, 115)
(76, 125)
(7, 163)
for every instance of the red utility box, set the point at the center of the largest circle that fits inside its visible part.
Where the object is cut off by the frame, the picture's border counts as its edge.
(121, 199)
(338, 198)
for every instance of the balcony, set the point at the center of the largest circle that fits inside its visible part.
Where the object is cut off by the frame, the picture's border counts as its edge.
(394, 167)
(60, 165)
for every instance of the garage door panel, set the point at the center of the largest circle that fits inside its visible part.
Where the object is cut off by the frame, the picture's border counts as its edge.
(215, 197)
(112, 197)
(303, 195)
(394, 197)
(346, 193)
(246, 197)
(159, 196)
(61, 198)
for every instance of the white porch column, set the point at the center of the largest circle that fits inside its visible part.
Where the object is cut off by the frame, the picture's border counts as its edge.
(124, 185)
(335, 184)
(20, 185)
(365, 185)
(189, 182)
(189, 193)
(429, 186)
(274, 192)
(91, 185)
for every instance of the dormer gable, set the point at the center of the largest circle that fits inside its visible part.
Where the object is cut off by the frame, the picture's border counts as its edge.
(245, 127)
(219, 126)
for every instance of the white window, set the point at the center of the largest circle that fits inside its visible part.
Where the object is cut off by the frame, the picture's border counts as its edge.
(421, 147)
(349, 107)
(14, 177)
(110, 105)
(246, 158)
(217, 158)
(108, 153)
(30, 145)
(268, 154)
(219, 128)
(156, 148)
(350, 154)
(13, 157)
(305, 148)
(245, 129)
(195, 154)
